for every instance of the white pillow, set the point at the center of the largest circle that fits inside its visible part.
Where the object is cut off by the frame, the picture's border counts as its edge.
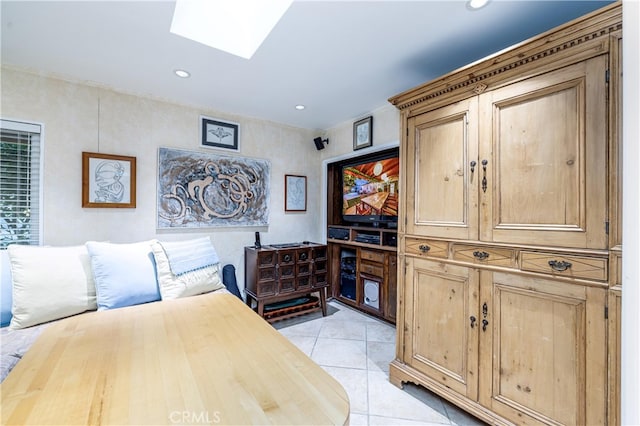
(173, 286)
(124, 273)
(49, 283)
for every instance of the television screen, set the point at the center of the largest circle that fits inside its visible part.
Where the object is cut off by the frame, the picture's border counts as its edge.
(370, 190)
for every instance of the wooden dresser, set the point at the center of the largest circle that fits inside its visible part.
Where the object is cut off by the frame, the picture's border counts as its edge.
(283, 272)
(509, 233)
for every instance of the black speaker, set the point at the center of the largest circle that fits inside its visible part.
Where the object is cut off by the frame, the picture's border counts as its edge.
(320, 142)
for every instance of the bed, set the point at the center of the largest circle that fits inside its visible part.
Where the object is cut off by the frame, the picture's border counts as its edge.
(201, 359)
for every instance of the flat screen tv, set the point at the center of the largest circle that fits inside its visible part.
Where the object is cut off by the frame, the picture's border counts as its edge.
(370, 190)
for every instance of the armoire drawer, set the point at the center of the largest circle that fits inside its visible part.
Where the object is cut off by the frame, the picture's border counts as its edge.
(428, 248)
(590, 268)
(493, 256)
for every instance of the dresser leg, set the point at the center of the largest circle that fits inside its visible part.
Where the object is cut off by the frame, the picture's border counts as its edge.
(323, 301)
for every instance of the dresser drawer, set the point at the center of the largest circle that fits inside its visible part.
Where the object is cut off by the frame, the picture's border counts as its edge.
(427, 248)
(374, 256)
(266, 258)
(320, 280)
(303, 255)
(320, 266)
(266, 274)
(371, 269)
(493, 256)
(267, 288)
(320, 252)
(286, 257)
(590, 268)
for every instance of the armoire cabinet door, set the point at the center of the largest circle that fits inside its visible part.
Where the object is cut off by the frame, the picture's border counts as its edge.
(442, 337)
(441, 182)
(545, 140)
(543, 357)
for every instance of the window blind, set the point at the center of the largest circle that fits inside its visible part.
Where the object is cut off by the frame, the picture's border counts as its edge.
(20, 183)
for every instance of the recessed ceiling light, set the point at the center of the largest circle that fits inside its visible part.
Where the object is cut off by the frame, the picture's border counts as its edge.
(182, 73)
(476, 4)
(300, 107)
(236, 27)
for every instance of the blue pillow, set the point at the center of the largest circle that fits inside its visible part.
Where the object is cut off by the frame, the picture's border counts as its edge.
(5, 286)
(125, 274)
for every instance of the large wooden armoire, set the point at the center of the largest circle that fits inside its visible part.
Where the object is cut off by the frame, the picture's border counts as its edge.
(509, 237)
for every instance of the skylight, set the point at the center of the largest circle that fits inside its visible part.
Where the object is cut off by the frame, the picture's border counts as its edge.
(235, 26)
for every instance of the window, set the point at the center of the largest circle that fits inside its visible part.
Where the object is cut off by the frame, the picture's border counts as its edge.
(20, 183)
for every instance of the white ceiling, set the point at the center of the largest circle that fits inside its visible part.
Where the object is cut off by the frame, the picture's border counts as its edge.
(342, 59)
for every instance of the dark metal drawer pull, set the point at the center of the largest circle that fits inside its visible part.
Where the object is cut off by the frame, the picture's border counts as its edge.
(424, 248)
(559, 266)
(303, 256)
(480, 255)
(286, 258)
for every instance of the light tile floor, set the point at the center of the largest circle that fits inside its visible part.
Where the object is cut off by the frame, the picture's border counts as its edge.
(356, 350)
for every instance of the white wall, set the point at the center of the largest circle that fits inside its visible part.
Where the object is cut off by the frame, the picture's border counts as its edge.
(631, 211)
(82, 117)
(386, 130)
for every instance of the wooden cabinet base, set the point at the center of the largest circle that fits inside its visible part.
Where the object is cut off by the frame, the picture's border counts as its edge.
(400, 373)
(276, 311)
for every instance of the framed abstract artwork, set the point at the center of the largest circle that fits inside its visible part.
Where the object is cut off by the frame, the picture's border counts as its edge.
(202, 190)
(108, 180)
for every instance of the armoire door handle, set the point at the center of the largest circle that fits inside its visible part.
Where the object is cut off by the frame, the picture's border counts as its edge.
(473, 321)
(484, 175)
(473, 166)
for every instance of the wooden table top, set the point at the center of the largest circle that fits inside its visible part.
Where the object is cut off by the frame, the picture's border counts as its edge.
(202, 359)
(376, 200)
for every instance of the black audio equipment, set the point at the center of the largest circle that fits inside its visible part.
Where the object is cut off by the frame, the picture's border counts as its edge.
(339, 234)
(369, 239)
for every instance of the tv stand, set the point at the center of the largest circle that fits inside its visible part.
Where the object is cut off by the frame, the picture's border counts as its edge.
(362, 255)
(363, 268)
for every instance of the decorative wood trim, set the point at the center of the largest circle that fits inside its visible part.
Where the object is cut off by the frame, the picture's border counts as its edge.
(590, 33)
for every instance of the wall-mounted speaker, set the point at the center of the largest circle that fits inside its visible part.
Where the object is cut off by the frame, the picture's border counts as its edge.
(320, 142)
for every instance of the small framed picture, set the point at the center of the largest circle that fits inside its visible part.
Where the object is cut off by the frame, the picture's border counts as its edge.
(295, 193)
(216, 133)
(363, 133)
(108, 180)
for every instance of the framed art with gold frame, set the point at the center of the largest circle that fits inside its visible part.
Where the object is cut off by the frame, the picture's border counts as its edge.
(108, 180)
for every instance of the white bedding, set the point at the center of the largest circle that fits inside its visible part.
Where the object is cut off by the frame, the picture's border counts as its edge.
(14, 344)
